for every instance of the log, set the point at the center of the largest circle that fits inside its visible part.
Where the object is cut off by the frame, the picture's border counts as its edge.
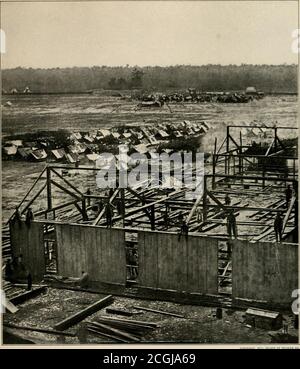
(79, 316)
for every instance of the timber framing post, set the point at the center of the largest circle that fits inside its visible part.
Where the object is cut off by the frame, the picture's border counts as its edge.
(49, 193)
(204, 199)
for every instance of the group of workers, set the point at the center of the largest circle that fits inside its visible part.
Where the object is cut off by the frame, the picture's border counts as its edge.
(231, 223)
(15, 271)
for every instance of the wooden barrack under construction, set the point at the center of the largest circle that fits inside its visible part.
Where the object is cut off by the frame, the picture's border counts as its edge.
(69, 221)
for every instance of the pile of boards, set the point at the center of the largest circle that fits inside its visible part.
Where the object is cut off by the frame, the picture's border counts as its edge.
(120, 330)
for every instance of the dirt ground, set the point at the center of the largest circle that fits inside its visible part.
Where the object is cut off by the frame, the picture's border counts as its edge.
(199, 326)
(90, 112)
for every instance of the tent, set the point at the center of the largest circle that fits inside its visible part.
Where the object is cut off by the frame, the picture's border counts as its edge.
(59, 154)
(39, 154)
(10, 150)
(24, 152)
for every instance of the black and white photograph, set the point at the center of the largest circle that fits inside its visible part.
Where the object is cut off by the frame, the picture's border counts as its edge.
(149, 174)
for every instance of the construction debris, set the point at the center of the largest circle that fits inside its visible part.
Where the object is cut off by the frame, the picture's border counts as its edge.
(123, 330)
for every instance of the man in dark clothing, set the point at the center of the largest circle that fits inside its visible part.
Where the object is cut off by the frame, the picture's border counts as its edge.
(184, 230)
(29, 217)
(227, 200)
(231, 225)
(278, 225)
(17, 217)
(88, 192)
(180, 218)
(109, 215)
(288, 195)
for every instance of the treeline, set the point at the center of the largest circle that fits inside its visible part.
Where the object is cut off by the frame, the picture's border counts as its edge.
(268, 78)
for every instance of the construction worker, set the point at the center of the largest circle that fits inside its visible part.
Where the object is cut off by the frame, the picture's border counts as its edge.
(120, 207)
(227, 200)
(134, 263)
(184, 230)
(288, 195)
(229, 248)
(109, 215)
(88, 192)
(84, 280)
(278, 225)
(180, 218)
(17, 217)
(29, 217)
(231, 225)
(199, 215)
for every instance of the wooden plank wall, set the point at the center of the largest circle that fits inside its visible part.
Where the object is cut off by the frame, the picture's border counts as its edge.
(264, 271)
(166, 263)
(28, 241)
(98, 251)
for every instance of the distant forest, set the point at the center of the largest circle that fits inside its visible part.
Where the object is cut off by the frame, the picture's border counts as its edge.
(268, 78)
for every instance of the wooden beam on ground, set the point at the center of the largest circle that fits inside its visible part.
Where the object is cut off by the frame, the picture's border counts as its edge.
(28, 295)
(158, 311)
(116, 332)
(79, 316)
(41, 330)
(8, 305)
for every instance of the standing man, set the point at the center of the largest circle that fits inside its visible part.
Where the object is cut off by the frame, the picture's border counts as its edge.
(29, 217)
(199, 215)
(227, 200)
(231, 225)
(109, 215)
(278, 225)
(288, 195)
(88, 192)
(184, 230)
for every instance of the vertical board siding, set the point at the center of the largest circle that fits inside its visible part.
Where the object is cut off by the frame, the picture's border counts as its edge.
(28, 241)
(166, 263)
(264, 271)
(98, 251)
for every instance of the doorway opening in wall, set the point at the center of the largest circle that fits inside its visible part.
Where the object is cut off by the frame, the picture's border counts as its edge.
(50, 249)
(225, 267)
(132, 258)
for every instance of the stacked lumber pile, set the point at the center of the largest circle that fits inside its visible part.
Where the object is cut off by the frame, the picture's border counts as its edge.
(120, 330)
(11, 290)
(6, 246)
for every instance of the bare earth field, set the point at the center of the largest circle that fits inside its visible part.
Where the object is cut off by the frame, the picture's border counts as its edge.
(89, 112)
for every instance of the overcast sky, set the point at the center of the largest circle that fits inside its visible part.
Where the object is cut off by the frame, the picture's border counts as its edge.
(148, 33)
